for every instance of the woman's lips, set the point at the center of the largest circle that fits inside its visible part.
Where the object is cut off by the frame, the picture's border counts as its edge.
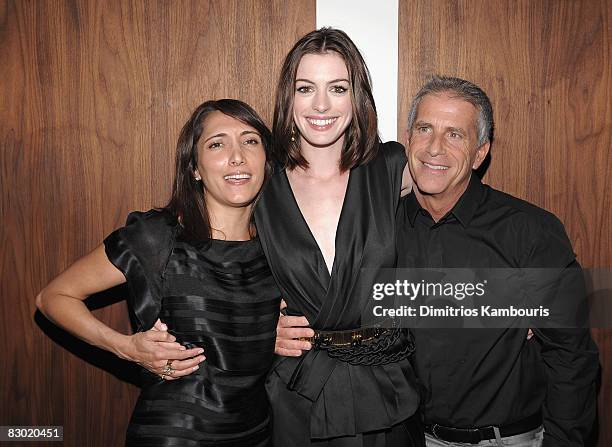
(238, 178)
(321, 123)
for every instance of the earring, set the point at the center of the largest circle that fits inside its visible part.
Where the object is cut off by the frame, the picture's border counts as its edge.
(293, 134)
(197, 179)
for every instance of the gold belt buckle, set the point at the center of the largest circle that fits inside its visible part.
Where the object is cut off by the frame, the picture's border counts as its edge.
(356, 337)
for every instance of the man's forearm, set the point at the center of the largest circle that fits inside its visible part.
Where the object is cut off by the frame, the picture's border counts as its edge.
(572, 367)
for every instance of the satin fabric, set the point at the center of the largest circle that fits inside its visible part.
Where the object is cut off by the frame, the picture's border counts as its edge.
(338, 399)
(290, 428)
(219, 296)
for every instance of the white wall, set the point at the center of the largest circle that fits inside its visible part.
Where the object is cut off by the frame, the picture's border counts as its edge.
(373, 26)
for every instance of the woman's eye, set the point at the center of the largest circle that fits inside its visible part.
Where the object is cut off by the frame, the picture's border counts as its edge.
(251, 141)
(304, 89)
(339, 89)
(214, 145)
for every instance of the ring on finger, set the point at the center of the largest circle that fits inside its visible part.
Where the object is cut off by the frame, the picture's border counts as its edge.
(168, 370)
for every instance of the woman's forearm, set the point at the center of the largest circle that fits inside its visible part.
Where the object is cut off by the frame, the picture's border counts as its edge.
(62, 301)
(72, 314)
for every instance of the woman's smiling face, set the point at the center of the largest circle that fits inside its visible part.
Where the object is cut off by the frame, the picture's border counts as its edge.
(322, 107)
(231, 162)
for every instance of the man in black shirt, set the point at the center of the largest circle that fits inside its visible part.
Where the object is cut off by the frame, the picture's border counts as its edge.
(487, 386)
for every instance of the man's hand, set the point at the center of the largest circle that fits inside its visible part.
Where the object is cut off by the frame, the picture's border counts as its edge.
(288, 330)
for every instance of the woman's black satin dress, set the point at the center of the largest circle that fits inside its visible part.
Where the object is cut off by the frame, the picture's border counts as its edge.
(316, 399)
(220, 296)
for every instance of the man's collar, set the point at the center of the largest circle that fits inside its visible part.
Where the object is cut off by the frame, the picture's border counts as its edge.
(464, 209)
(412, 206)
(468, 203)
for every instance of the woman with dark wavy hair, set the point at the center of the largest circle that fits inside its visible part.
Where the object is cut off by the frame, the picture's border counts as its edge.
(198, 266)
(327, 224)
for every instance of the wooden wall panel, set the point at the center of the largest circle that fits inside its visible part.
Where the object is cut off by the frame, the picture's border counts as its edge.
(547, 67)
(93, 96)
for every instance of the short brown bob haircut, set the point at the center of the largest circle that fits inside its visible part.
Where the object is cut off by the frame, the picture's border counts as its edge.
(362, 140)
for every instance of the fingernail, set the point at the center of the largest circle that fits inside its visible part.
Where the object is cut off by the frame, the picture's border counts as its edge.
(196, 367)
(182, 348)
(202, 359)
(200, 351)
(164, 327)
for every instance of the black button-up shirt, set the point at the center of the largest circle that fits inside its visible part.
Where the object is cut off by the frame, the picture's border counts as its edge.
(484, 377)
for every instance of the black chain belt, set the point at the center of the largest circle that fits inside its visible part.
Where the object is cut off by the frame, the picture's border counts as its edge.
(355, 337)
(370, 346)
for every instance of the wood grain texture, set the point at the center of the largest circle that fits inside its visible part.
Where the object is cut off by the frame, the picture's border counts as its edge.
(94, 94)
(547, 67)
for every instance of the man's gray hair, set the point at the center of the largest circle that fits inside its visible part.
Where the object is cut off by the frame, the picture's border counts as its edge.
(459, 88)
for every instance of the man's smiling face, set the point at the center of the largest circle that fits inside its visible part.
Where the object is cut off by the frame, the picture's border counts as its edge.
(443, 146)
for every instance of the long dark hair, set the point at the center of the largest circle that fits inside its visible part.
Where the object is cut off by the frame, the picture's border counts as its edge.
(361, 142)
(187, 203)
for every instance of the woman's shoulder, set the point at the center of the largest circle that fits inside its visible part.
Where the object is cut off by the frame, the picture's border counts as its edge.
(275, 190)
(393, 152)
(140, 250)
(148, 230)
(154, 221)
(390, 158)
(155, 217)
